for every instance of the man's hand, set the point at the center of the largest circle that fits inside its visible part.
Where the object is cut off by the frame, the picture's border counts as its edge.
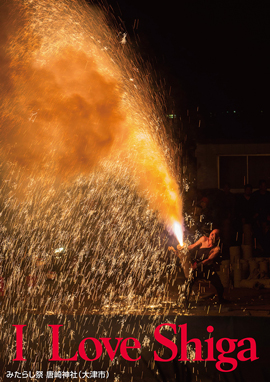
(209, 260)
(172, 249)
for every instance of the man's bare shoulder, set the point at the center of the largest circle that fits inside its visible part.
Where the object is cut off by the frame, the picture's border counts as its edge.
(200, 241)
(203, 239)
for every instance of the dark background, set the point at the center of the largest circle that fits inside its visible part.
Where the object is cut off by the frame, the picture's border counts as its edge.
(212, 54)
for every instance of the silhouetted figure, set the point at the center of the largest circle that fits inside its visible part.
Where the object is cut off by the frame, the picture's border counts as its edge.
(228, 222)
(261, 200)
(245, 206)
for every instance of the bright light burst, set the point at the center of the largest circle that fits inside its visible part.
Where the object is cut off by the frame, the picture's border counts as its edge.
(178, 231)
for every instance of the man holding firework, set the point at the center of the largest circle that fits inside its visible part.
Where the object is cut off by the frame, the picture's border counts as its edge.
(199, 263)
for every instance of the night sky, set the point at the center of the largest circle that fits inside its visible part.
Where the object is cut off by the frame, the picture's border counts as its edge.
(213, 54)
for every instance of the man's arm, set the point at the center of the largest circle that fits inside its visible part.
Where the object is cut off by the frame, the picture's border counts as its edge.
(213, 254)
(197, 243)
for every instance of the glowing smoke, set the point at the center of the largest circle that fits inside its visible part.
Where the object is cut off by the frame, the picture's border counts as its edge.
(72, 96)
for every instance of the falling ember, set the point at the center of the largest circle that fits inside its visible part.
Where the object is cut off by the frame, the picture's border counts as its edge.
(178, 231)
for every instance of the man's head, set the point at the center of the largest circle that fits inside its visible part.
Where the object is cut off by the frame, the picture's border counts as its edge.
(214, 235)
(227, 188)
(262, 186)
(204, 202)
(248, 189)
